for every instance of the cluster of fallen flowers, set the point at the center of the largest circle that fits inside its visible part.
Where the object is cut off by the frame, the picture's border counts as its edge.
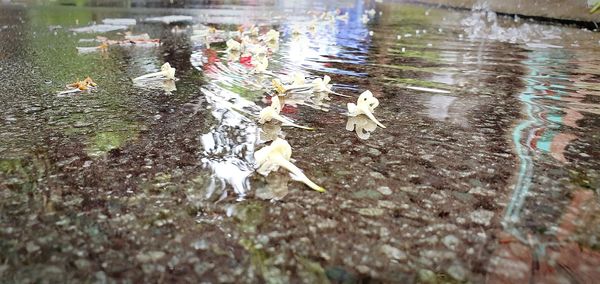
(251, 48)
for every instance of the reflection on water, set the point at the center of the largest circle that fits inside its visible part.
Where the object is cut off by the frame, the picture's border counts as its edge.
(362, 125)
(439, 106)
(552, 122)
(229, 146)
(487, 170)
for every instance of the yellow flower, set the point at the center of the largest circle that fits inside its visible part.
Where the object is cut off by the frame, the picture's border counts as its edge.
(278, 86)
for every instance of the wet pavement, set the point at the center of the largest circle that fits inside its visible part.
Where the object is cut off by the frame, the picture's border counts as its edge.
(487, 170)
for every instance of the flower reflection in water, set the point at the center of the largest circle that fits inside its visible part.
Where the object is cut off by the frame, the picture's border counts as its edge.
(276, 187)
(362, 125)
(229, 146)
(270, 131)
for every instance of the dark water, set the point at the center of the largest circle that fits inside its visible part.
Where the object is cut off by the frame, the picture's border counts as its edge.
(487, 170)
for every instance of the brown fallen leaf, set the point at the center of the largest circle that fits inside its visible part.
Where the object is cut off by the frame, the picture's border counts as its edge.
(83, 85)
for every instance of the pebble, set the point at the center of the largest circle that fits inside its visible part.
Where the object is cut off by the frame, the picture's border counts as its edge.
(372, 194)
(482, 217)
(82, 263)
(150, 256)
(31, 247)
(363, 269)
(392, 252)
(457, 272)
(450, 241)
(374, 152)
(201, 268)
(377, 175)
(386, 204)
(370, 212)
(327, 223)
(426, 276)
(200, 245)
(384, 190)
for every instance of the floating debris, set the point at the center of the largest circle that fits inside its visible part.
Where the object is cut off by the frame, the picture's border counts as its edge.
(278, 154)
(138, 40)
(102, 28)
(366, 104)
(166, 72)
(120, 21)
(102, 47)
(172, 19)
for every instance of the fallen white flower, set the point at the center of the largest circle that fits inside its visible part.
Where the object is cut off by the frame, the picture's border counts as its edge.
(260, 65)
(233, 45)
(272, 36)
(318, 85)
(166, 71)
(257, 51)
(365, 18)
(278, 154)
(295, 79)
(254, 31)
(366, 104)
(298, 79)
(322, 85)
(272, 112)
